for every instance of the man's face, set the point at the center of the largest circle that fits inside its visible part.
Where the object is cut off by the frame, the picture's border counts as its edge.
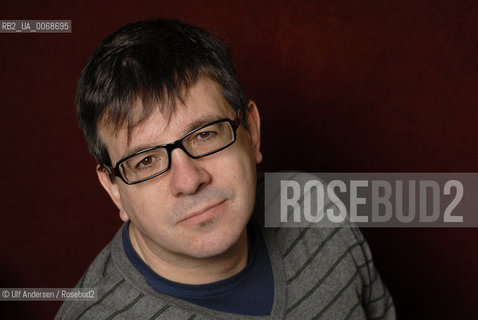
(199, 207)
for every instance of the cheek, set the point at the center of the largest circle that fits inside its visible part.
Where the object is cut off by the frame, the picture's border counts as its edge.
(146, 204)
(237, 165)
(239, 170)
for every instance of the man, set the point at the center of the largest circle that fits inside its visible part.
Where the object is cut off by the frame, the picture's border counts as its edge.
(177, 142)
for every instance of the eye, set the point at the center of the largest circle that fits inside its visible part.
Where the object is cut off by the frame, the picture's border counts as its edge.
(146, 162)
(205, 135)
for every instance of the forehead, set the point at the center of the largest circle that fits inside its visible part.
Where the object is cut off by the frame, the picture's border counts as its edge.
(201, 103)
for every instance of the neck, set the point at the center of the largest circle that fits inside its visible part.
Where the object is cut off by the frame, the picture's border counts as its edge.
(191, 270)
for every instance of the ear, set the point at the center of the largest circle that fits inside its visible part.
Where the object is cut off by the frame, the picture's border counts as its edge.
(254, 128)
(112, 188)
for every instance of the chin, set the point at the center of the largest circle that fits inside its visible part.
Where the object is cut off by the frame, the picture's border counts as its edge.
(213, 244)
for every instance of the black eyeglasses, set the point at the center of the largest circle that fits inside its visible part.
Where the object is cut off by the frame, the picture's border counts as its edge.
(200, 142)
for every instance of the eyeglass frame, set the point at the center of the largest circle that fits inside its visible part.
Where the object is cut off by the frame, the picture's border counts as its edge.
(116, 172)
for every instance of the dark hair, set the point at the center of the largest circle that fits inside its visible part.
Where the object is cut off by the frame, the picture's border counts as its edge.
(151, 62)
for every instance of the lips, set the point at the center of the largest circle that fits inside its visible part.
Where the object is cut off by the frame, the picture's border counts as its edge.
(202, 214)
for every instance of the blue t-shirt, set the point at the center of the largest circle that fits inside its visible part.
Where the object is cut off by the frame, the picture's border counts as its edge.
(249, 292)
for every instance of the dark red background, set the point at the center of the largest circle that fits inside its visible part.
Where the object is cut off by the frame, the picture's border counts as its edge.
(341, 86)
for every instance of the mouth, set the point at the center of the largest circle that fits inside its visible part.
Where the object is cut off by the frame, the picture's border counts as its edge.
(202, 214)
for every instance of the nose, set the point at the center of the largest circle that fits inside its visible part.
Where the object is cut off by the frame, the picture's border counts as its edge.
(187, 175)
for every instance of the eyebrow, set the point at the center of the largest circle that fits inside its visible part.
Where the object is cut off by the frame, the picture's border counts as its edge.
(188, 128)
(200, 122)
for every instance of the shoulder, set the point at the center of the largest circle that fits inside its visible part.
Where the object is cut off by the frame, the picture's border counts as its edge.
(103, 277)
(121, 292)
(343, 241)
(325, 239)
(113, 290)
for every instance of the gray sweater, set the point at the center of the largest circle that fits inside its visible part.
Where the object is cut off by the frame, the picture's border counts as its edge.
(319, 273)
